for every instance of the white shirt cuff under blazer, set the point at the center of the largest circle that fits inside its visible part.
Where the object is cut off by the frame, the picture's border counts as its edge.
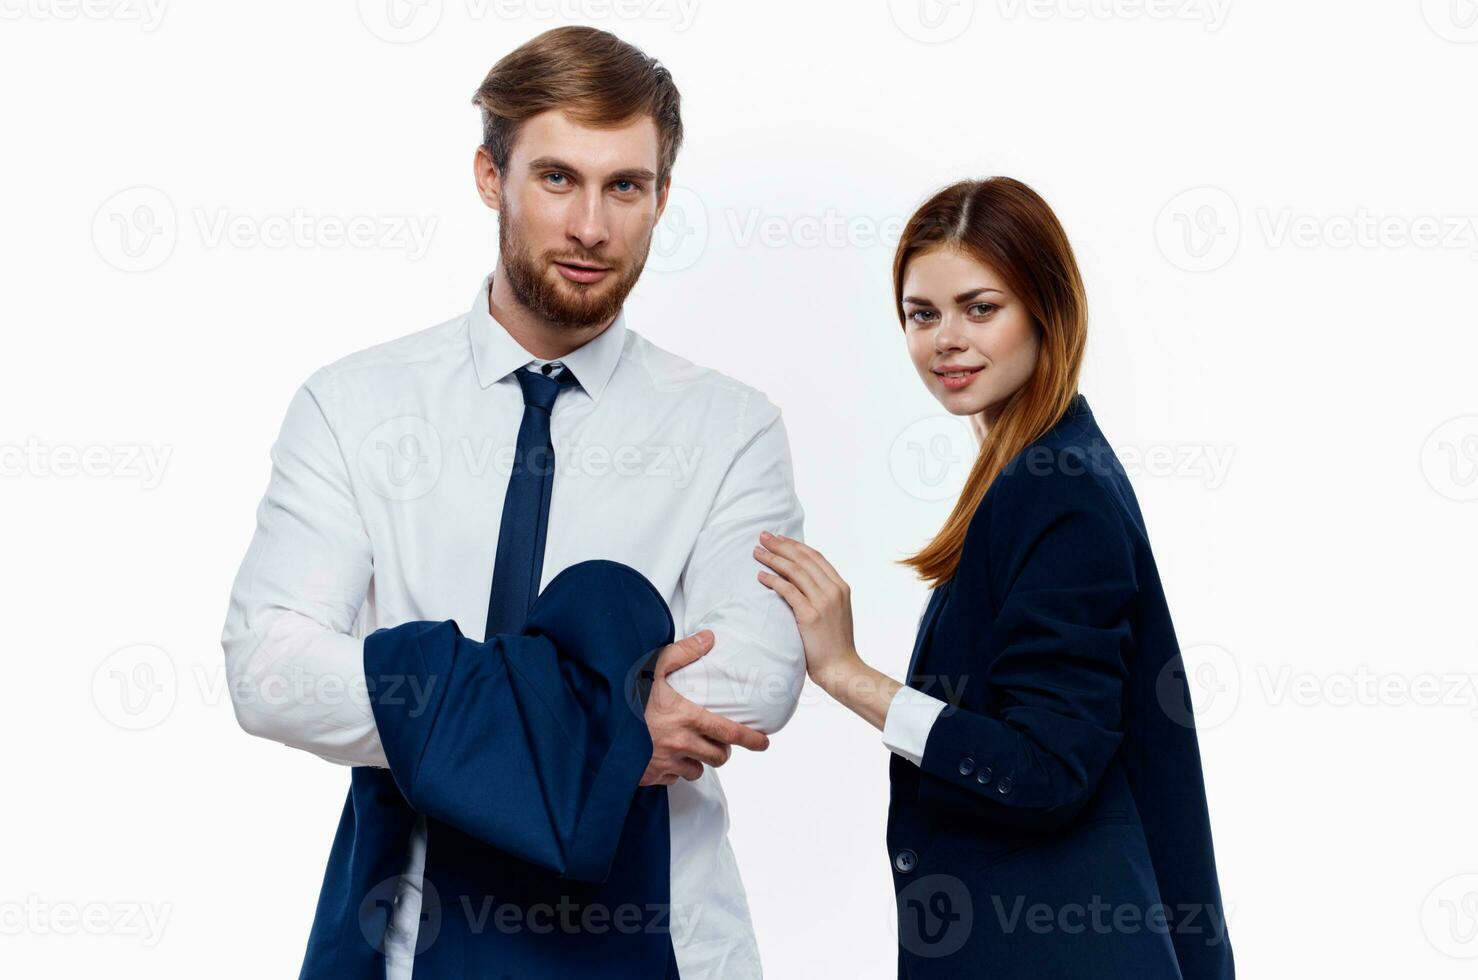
(384, 506)
(911, 714)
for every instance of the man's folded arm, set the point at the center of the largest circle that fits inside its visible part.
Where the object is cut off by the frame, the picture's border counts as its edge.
(296, 674)
(757, 667)
(536, 743)
(531, 743)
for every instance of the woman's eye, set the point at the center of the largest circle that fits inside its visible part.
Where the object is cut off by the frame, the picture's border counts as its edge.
(981, 309)
(921, 316)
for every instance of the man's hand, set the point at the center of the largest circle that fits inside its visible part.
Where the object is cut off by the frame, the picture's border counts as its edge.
(684, 735)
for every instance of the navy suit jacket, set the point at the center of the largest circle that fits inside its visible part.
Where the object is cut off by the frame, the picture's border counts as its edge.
(1057, 826)
(526, 751)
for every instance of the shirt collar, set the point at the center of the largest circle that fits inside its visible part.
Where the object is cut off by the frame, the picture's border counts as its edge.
(495, 353)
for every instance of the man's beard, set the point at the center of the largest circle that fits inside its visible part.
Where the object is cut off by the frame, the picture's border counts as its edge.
(565, 303)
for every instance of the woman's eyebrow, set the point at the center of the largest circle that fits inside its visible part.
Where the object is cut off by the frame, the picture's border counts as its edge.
(917, 301)
(976, 292)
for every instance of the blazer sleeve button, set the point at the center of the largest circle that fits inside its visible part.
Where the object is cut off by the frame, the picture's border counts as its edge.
(905, 860)
(1004, 786)
(967, 766)
(983, 775)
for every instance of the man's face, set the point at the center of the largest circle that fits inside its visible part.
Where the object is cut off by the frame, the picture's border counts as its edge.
(576, 211)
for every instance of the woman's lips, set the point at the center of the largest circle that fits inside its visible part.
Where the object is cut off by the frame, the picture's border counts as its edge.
(955, 383)
(577, 273)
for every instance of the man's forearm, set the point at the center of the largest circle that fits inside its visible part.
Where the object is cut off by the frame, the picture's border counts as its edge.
(298, 683)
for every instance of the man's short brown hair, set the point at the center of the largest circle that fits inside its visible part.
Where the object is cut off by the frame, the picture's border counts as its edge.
(594, 76)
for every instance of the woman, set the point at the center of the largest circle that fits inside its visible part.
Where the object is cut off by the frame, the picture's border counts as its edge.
(1050, 820)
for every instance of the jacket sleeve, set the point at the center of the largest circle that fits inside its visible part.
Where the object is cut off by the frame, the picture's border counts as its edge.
(1063, 567)
(534, 744)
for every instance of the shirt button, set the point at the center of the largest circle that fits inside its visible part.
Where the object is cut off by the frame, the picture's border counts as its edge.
(1004, 786)
(983, 776)
(906, 861)
(967, 766)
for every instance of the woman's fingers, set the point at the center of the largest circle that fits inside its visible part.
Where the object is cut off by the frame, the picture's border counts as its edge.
(782, 566)
(803, 556)
(794, 565)
(788, 591)
(825, 566)
(816, 558)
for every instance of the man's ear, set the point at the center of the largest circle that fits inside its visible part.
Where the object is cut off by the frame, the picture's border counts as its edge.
(485, 174)
(662, 198)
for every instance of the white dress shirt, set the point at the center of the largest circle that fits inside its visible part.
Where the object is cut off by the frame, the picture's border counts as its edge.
(383, 507)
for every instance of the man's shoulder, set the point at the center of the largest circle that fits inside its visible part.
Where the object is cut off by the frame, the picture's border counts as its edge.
(665, 375)
(402, 364)
(429, 344)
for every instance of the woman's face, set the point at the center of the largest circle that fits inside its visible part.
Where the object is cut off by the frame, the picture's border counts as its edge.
(972, 341)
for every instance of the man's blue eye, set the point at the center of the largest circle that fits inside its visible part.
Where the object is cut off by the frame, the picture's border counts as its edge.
(556, 177)
(625, 185)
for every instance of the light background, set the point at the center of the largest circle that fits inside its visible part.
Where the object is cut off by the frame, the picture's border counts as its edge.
(1273, 205)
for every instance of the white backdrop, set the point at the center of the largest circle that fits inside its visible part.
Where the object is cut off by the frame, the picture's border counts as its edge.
(1274, 207)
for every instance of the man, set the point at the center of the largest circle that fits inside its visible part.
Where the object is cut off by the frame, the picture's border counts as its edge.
(393, 502)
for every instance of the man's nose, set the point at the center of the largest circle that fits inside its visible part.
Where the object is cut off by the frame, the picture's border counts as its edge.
(589, 224)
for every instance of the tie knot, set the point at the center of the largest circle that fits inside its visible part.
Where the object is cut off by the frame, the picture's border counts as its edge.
(540, 390)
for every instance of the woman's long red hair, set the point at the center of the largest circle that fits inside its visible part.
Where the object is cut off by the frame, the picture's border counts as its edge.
(1005, 224)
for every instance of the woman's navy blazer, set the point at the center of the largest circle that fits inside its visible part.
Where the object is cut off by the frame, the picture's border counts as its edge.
(1057, 825)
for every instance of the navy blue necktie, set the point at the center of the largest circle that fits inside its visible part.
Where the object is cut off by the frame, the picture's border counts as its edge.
(520, 559)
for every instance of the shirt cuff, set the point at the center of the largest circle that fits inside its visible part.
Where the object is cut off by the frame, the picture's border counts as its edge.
(911, 714)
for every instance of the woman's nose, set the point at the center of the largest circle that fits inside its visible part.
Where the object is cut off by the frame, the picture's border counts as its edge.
(948, 337)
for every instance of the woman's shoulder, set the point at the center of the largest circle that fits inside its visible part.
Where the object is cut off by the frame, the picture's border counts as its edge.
(1070, 466)
(1071, 471)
